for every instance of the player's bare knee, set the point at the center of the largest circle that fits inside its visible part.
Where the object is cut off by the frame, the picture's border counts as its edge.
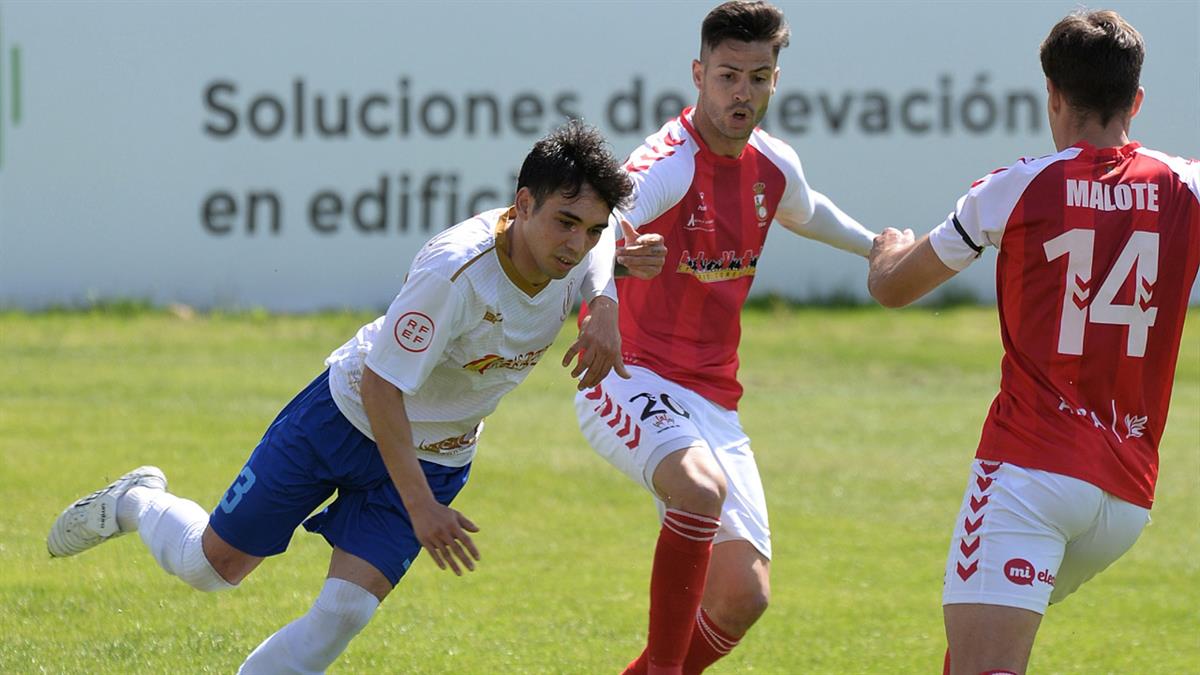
(231, 564)
(691, 480)
(737, 609)
(703, 495)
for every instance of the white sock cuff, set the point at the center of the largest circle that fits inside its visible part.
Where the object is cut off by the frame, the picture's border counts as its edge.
(132, 505)
(347, 600)
(196, 571)
(173, 528)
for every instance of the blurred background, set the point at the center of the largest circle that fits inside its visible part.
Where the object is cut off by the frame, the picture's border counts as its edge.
(294, 156)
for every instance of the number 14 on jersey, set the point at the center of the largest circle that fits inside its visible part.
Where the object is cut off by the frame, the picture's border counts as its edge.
(1140, 256)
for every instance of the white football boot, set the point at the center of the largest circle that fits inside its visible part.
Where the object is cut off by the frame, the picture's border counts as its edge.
(93, 518)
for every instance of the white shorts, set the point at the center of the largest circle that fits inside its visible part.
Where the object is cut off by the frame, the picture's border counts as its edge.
(635, 423)
(1028, 538)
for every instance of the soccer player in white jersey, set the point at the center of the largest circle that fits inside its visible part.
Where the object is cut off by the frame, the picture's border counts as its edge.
(1099, 245)
(712, 184)
(392, 425)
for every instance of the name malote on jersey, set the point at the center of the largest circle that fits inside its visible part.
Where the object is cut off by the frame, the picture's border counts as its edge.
(1091, 194)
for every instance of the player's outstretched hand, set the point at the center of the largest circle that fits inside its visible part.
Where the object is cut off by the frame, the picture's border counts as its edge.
(891, 241)
(643, 255)
(598, 347)
(443, 532)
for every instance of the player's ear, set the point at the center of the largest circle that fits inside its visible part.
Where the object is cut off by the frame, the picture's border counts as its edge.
(524, 203)
(697, 73)
(1138, 98)
(1053, 97)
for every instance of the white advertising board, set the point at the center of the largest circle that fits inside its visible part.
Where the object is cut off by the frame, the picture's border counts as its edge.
(293, 156)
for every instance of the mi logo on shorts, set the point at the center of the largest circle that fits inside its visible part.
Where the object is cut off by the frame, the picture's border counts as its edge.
(1021, 572)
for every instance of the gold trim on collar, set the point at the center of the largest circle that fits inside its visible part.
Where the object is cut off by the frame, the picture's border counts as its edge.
(510, 268)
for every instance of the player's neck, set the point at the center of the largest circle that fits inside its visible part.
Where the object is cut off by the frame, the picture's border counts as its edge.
(522, 258)
(1115, 134)
(717, 142)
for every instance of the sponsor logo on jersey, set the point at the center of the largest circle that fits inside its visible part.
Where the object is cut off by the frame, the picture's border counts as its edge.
(1135, 425)
(521, 362)
(452, 445)
(728, 266)
(700, 220)
(413, 331)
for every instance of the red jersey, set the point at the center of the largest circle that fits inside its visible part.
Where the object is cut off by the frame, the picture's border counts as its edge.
(1099, 249)
(713, 213)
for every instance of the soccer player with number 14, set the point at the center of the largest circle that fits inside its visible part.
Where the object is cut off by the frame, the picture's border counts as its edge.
(1099, 246)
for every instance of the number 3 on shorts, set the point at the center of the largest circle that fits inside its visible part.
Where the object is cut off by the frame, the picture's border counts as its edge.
(241, 485)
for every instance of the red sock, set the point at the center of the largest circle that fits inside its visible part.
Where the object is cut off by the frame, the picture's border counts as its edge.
(676, 585)
(709, 643)
(946, 663)
(638, 666)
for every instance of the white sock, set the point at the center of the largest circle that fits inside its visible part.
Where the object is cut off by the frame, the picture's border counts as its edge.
(171, 528)
(308, 645)
(132, 505)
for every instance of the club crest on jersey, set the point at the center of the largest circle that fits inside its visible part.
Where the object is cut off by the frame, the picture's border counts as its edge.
(701, 220)
(568, 300)
(760, 203)
(728, 266)
(521, 362)
(492, 317)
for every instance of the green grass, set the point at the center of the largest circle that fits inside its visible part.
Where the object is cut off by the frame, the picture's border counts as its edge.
(864, 422)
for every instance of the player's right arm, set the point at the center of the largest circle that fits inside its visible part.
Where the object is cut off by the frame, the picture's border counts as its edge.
(440, 529)
(902, 270)
(425, 316)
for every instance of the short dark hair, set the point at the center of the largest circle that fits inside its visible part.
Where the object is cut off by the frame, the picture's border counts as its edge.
(746, 21)
(1095, 59)
(572, 155)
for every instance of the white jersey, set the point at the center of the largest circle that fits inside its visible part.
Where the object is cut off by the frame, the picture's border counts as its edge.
(463, 332)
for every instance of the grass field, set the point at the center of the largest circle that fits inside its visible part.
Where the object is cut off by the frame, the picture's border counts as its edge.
(863, 421)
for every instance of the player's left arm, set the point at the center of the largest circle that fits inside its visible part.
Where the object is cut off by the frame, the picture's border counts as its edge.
(902, 269)
(811, 214)
(828, 224)
(597, 349)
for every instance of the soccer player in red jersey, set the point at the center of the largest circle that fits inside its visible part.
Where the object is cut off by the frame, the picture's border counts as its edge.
(1098, 251)
(711, 183)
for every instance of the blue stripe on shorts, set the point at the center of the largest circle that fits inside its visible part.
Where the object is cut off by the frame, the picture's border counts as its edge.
(310, 451)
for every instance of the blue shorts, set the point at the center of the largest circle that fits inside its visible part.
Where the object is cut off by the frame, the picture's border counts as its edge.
(309, 451)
